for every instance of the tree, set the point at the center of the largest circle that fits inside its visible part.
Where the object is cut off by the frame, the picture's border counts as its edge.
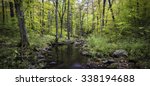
(68, 20)
(63, 10)
(11, 9)
(111, 10)
(21, 23)
(93, 26)
(103, 15)
(42, 17)
(56, 17)
(3, 11)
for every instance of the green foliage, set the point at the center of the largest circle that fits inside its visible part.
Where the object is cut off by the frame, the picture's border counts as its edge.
(36, 40)
(105, 45)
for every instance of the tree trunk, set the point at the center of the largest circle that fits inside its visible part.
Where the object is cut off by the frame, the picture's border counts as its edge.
(111, 10)
(137, 13)
(42, 17)
(62, 16)
(56, 17)
(81, 29)
(11, 9)
(21, 22)
(3, 11)
(87, 14)
(103, 15)
(71, 22)
(93, 26)
(49, 20)
(68, 21)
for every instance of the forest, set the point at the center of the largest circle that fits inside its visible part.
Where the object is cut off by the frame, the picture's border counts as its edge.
(74, 34)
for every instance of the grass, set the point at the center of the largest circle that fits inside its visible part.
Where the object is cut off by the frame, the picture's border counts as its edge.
(105, 45)
(36, 40)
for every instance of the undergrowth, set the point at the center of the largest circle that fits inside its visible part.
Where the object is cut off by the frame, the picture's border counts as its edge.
(104, 45)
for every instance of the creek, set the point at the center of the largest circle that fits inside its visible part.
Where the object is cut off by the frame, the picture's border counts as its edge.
(66, 57)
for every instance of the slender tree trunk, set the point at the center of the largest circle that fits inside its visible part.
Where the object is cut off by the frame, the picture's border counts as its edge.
(137, 9)
(42, 17)
(62, 16)
(99, 5)
(103, 15)
(21, 23)
(87, 14)
(68, 20)
(49, 20)
(11, 9)
(111, 10)
(93, 26)
(81, 29)
(56, 17)
(32, 15)
(3, 11)
(71, 23)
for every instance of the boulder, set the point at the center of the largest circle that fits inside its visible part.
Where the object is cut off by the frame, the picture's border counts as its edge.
(120, 53)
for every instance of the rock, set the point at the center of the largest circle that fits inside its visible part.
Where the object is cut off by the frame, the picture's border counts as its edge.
(113, 66)
(77, 43)
(85, 53)
(53, 63)
(120, 53)
(109, 61)
(69, 42)
(76, 66)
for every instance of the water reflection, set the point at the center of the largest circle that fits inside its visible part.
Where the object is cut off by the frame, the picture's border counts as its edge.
(66, 57)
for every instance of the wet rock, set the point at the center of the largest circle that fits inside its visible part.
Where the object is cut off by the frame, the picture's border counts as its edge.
(120, 53)
(76, 66)
(53, 63)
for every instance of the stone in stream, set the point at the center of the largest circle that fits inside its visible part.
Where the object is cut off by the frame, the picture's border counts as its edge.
(120, 53)
(53, 63)
(76, 66)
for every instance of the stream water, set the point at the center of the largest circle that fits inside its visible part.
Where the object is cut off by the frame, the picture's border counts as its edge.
(66, 57)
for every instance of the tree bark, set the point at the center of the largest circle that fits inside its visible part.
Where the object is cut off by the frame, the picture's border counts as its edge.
(111, 10)
(103, 15)
(56, 17)
(21, 23)
(93, 24)
(62, 16)
(68, 21)
(11, 9)
(43, 17)
(3, 11)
